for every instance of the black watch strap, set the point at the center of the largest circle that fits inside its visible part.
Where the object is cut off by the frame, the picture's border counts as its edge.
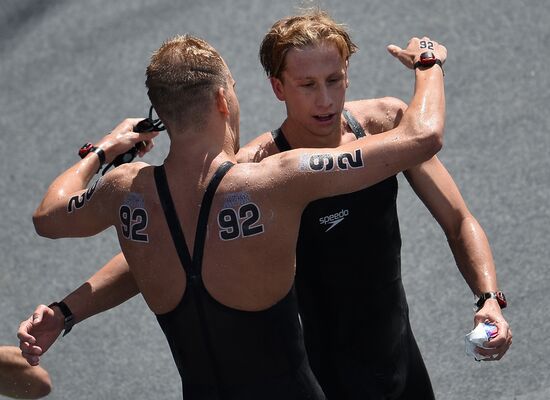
(499, 296)
(101, 154)
(418, 64)
(428, 60)
(88, 148)
(68, 322)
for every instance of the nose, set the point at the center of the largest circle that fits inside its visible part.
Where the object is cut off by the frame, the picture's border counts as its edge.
(323, 98)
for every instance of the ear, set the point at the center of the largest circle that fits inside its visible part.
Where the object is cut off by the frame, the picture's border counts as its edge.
(278, 88)
(346, 73)
(221, 101)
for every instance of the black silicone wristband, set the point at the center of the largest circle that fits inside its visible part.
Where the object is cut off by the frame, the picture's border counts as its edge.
(68, 322)
(101, 154)
(418, 64)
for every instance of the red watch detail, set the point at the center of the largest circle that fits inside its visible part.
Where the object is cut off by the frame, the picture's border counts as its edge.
(427, 59)
(501, 299)
(85, 149)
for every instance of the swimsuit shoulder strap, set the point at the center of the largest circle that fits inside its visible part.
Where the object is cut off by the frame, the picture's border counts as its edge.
(355, 126)
(193, 264)
(280, 140)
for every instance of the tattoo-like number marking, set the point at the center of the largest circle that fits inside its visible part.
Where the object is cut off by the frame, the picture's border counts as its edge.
(320, 162)
(134, 221)
(78, 201)
(426, 45)
(231, 226)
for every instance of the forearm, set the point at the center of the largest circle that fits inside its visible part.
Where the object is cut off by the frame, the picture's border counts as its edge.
(473, 256)
(51, 218)
(111, 286)
(424, 118)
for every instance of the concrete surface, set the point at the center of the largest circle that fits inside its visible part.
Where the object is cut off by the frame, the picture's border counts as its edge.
(71, 70)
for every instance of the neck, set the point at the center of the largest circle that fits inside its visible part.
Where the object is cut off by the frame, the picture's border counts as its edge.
(197, 152)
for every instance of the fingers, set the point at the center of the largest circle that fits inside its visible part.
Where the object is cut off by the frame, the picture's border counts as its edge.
(394, 50)
(127, 125)
(29, 351)
(23, 331)
(411, 53)
(496, 347)
(123, 138)
(146, 147)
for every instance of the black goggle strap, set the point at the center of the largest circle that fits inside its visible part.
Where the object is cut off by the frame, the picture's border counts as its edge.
(148, 124)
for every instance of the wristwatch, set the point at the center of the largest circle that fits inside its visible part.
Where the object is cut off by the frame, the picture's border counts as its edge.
(85, 149)
(428, 60)
(499, 296)
(68, 322)
(88, 148)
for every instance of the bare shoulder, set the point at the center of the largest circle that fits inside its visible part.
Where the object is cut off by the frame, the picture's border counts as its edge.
(127, 171)
(377, 115)
(257, 149)
(125, 177)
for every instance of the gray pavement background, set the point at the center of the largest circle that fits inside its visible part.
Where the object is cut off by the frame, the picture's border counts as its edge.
(71, 70)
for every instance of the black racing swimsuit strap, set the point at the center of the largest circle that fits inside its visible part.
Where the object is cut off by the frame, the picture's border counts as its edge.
(355, 126)
(283, 145)
(280, 140)
(173, 221)
(202, 224)
(198, 251)
(195, 263)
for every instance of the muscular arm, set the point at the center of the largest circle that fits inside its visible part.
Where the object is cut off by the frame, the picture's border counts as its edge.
(467, 240)
(415, 139)
(20, 380)
(63, 211)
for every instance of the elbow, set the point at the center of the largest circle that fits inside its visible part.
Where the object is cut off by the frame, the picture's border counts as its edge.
(42, 225)
(39, 223)
(435, 141)
(432, 139)
(41, 387)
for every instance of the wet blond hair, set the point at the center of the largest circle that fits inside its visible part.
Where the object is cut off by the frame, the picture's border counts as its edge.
(182, 79)
(312, 27)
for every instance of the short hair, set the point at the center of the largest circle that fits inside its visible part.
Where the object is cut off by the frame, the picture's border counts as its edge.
(312, 27)
(182, 79)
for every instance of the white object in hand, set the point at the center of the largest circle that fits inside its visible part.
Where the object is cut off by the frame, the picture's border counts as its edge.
(481, 334)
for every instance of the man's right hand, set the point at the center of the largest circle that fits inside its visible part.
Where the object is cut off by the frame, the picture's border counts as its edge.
(37, 333)
(415, 48)
(123, 138)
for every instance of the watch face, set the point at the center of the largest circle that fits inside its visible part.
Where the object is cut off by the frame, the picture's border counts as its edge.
(427, 59)
(85, 149)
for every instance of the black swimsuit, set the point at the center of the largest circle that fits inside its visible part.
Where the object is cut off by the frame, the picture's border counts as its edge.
(351, 298)
(223, 353)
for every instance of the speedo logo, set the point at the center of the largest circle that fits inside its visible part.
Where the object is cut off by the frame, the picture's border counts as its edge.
(333, 219)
